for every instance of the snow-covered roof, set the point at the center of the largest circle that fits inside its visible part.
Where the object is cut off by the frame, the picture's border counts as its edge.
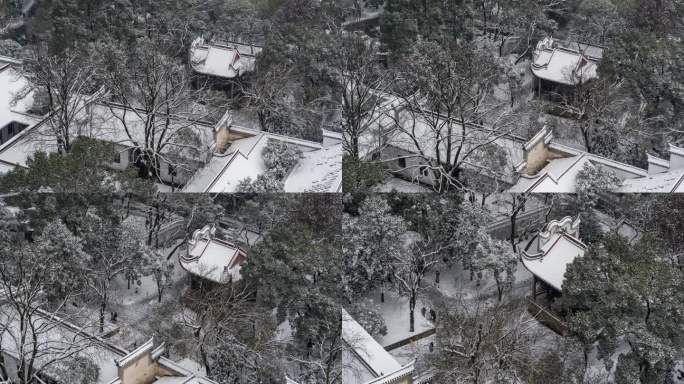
(111, 122)
(222, 59)
(60, 335)
(565, 63)
(211, 258)
(319, 170)
(11, 85)
(667, 182)
(563, 165)
(366, 361)
(560, 175)
(552, 250)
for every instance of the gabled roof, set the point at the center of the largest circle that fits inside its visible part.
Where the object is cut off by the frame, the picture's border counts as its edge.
(319, 169)
(666, 182)
(213, 259)
(560, 174)
(556, 247)
(560, 166)
(366, 361)
(12, 84)
(565, 63)
(222, 59)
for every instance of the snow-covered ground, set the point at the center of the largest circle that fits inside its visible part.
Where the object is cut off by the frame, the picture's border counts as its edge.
(395, 312)
(133, 306)
(455, 283)
(392, 183)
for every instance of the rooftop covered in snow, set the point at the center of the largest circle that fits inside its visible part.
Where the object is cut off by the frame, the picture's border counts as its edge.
(15, 101)
(550, 167)
(64, 340)
(211, 258)
(552, 250)
(565, 63)
(224, 59)
(366, 361)
(319, 169)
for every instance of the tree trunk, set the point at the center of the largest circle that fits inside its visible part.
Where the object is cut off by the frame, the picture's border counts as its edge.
(3, 372)
(587, 140)
(205, 360)
(412, 307)
(103, 308)
(585, 352)
(499, 290)
(355, 147)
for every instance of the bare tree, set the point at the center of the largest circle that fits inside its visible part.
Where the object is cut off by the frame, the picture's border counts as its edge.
(321, 362)
(410, 267)
(67, 81)
(527, 19)
(225, 322)
(32, 340)
(162, 116)
(156, 215)
(278, 98)
(480, 342)
(517, 205)
(361, 82)
(445, 99)
(600, 20)
(115, 249)
(591, 103)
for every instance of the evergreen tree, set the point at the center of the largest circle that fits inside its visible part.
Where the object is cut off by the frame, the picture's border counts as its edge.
(629, 295)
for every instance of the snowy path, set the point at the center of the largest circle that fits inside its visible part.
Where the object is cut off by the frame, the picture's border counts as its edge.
(395, 312)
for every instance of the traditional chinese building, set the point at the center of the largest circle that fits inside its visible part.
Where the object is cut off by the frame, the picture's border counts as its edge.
(551, 167)
(222, 63)
(560, 66)
(69, 342)
(547, 258)
(212, 259)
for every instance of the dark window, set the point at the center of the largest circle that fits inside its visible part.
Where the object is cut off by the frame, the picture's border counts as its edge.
(117, 157)
(13, 128)
(402, 163)
(425, 170)
(172, 170)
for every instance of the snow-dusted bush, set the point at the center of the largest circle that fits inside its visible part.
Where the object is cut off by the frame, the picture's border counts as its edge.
(593, 180)
(265, 183)
(280, 157)
(79, 370)
(369, 318)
